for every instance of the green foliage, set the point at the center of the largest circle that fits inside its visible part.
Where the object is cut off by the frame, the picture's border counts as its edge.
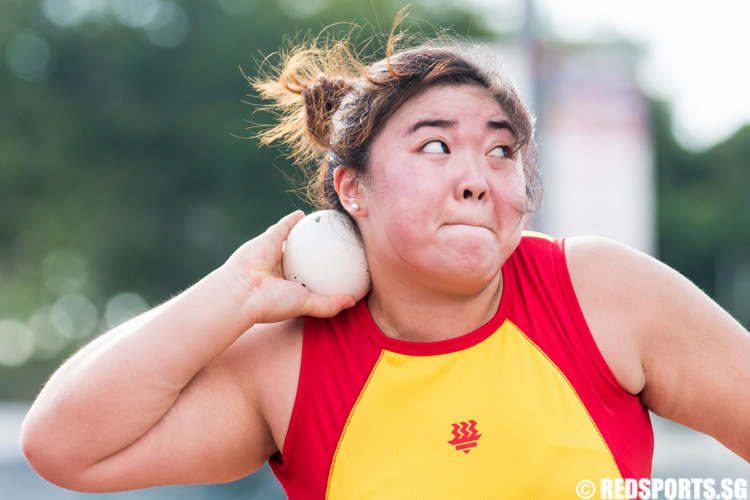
(122, 162)
(704, 214)
(123, 168)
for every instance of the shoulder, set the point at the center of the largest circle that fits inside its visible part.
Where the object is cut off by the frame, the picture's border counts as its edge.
(621, 292)
(693, 353)
(609, 266)
(665, 339)
(607, 272)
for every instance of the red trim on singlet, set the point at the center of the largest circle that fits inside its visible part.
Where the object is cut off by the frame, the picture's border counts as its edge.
(619, 416)
(336, 362)
(441, 346)
(538, 297)
(581, 325)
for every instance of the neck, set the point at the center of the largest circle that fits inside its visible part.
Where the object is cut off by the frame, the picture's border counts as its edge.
(424, 317)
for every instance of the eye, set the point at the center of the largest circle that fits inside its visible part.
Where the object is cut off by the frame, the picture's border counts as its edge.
(435, 147)
(501, 152)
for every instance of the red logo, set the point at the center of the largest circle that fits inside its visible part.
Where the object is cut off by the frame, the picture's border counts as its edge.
(465, 436)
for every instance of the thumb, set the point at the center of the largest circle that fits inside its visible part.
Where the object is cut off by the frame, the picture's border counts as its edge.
(321, 306)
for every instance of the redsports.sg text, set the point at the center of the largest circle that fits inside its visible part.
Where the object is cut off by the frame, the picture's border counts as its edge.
(669, 489)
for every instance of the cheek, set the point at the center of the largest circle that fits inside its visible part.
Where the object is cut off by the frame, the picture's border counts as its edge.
(406, 208)
(395, 184)
(510, 189)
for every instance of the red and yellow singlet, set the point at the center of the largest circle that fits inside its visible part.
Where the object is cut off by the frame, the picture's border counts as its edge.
(523, 407)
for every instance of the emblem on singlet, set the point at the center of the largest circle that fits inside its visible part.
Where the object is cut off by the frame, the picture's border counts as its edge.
(465, 436)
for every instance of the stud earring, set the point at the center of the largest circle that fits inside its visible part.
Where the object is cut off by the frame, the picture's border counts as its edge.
(355, 207)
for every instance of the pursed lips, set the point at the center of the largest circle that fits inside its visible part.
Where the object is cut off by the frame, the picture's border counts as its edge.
(468, 224)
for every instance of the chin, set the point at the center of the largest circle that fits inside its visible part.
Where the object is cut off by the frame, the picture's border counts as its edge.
(476, 256)
(471, 274)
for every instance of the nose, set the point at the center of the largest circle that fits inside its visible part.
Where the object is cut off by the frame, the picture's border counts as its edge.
(469, 194)
(471, 184)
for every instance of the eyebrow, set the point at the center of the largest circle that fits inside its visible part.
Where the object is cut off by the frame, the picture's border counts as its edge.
(431, 123)
(492, 125)
(501, 125)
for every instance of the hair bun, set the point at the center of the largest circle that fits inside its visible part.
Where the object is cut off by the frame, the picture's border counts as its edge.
(322, 98)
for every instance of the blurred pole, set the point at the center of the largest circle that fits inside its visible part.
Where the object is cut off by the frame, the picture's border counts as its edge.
(594, 141)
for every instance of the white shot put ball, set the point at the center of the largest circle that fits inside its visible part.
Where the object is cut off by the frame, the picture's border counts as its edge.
(324, 254)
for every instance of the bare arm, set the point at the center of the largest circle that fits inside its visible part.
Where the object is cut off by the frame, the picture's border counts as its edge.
(162, 398)
(665, 339)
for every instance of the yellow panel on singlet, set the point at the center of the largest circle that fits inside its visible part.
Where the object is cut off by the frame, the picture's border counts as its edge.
(497, 420)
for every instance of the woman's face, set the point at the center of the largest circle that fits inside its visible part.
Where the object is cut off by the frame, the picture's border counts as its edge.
(445, 193)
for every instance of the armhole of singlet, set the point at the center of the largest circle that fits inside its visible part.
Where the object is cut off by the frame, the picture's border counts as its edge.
(303, 393)
(582, 327)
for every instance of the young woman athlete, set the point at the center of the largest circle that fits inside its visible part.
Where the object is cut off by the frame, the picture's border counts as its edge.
(484, 362)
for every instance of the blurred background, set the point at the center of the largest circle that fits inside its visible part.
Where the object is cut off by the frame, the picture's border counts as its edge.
(128, 171)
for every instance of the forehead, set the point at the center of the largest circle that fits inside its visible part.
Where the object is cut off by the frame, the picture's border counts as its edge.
(457, 103)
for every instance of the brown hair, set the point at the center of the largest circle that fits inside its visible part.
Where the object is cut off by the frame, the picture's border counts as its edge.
(331, 104)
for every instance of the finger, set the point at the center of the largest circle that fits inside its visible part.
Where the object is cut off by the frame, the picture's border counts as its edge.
(279, 231)
(322, 306)
(287, 222)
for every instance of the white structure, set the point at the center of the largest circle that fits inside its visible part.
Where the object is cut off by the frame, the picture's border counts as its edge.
(593, 138)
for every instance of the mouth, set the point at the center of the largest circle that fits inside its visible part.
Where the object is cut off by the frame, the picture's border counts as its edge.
(467, 224)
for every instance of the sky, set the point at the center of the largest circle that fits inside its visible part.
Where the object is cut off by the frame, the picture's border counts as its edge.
(696, 54)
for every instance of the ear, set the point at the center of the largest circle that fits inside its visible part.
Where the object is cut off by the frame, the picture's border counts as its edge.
(350, 191)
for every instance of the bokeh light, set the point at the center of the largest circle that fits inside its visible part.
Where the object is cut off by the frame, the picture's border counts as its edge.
(170, 26)
(301, 9)
(69, 13)
(28, 55)
(74, 316)
(64, 271)
(122, 307)
(16, 343)
(48, 341)
(164, 22)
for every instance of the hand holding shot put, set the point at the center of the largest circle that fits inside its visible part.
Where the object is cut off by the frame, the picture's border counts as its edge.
(483, 361)
(323, 253)
(259, 265)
